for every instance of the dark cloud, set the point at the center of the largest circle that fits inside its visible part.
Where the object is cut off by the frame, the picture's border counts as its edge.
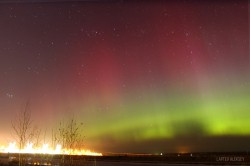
(179, 144)
(188, 128)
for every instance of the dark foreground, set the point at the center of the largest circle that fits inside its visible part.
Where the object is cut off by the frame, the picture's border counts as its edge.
(128, 159)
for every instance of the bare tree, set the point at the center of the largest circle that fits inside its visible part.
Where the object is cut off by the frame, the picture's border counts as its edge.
(69, 135)
(23, 129)
(35, 136)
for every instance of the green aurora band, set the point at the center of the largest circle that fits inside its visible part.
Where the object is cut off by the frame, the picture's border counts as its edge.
(222, 111)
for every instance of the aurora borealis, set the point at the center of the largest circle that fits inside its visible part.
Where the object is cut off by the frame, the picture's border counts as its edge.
(165, 76)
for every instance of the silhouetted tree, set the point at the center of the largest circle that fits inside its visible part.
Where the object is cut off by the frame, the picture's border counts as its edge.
(23, 129)
(35, 136)
(69, 135)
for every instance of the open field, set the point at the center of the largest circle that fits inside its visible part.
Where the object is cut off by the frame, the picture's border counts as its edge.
(130, 159)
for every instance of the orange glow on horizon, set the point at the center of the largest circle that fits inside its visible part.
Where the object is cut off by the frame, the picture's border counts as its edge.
(183, 149)
(46, 149)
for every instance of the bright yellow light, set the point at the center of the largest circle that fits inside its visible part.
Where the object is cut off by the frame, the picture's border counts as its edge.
(46, 149)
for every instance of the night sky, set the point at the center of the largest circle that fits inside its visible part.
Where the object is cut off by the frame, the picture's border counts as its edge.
(165, 76)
